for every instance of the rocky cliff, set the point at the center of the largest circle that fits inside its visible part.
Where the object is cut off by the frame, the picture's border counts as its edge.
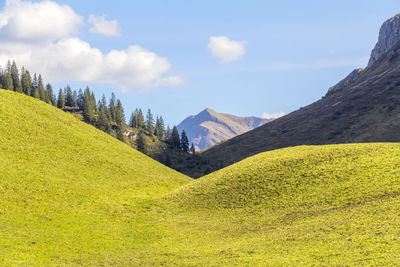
(389, 35)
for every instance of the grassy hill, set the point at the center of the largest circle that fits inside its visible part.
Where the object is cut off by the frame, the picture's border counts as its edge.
(307, 205)
(71, 194)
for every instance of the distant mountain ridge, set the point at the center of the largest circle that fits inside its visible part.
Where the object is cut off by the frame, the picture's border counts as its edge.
(210, 127)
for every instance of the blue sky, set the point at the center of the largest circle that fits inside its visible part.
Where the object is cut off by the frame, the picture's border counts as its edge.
(294, 51)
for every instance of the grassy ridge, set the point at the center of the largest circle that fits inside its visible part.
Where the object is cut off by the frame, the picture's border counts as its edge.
(70, 194)
(334, 204)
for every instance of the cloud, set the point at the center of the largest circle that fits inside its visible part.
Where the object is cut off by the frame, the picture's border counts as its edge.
(74, 59)
(37, 22)
(59, 55)
(271, 116)
(226, 50)
(105, 27)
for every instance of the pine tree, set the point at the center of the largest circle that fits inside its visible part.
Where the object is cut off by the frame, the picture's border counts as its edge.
(103, 122)
(88, 112)
(50, 94)
(35, 86)
(15, 77)
(140, 119)
(175, 140)
(61, 99)
(159, 129)
(184, 142)
(119, 114)
(81, 99)
(132, 120)
(26, 83)
(149, 122)
(74, 99)
(8, 82)
(42, 94)
(68, 97)
(111, 107)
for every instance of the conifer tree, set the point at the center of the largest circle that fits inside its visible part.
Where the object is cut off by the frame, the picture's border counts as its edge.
(88, 112)
(149, 121)
(26, 83)
(81, 99)
(111, 107)
(61, 99)
(119, 114)
(68, 97)
(132, 120)
(50, 94)
(175, 140)
(140, 119)
(15, 78)
(40, 89)
(35, 85)
(159, 129)
(7, 82)
(184, 142)
(103, 122)
(168, 133)
(74, 99)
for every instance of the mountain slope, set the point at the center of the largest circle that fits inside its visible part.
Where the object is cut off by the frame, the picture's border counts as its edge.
(365, 108)
(209, 127)
(69, 193)
(316, 205)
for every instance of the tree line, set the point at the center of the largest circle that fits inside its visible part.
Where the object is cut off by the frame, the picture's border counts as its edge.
(106, 115)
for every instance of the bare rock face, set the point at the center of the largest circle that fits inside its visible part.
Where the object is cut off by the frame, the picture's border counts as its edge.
(353, 76)
(389, 35)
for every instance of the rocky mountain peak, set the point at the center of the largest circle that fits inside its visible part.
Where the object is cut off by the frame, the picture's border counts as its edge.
(389, 35)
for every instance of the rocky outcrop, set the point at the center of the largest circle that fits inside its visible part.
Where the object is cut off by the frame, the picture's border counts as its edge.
(353, 76)
(389, 35)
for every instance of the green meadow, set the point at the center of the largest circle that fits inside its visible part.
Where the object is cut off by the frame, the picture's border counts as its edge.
(71, 195)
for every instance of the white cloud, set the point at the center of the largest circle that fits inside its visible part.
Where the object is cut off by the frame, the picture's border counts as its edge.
(37, 22)
(225, 49)
(270, 116)
(59, 56)
(105, 27)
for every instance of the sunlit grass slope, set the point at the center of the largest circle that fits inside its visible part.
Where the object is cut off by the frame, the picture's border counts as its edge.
(307, 205)
(71, 194)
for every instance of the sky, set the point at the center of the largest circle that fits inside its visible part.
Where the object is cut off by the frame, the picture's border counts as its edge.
(178, 57)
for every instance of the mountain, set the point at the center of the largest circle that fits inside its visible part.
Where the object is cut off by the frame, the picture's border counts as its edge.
(334, 205)
(69, 193)
(209, 127)
(364, 107)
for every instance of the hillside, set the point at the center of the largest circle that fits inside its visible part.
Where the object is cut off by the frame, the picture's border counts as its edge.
(210, 127)
(309, 205)
(71, 194)
(364, 107)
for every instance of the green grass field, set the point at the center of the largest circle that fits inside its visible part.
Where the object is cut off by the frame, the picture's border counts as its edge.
(72, 195)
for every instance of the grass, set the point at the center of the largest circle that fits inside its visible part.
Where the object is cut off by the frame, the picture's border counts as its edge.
(71, 195)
